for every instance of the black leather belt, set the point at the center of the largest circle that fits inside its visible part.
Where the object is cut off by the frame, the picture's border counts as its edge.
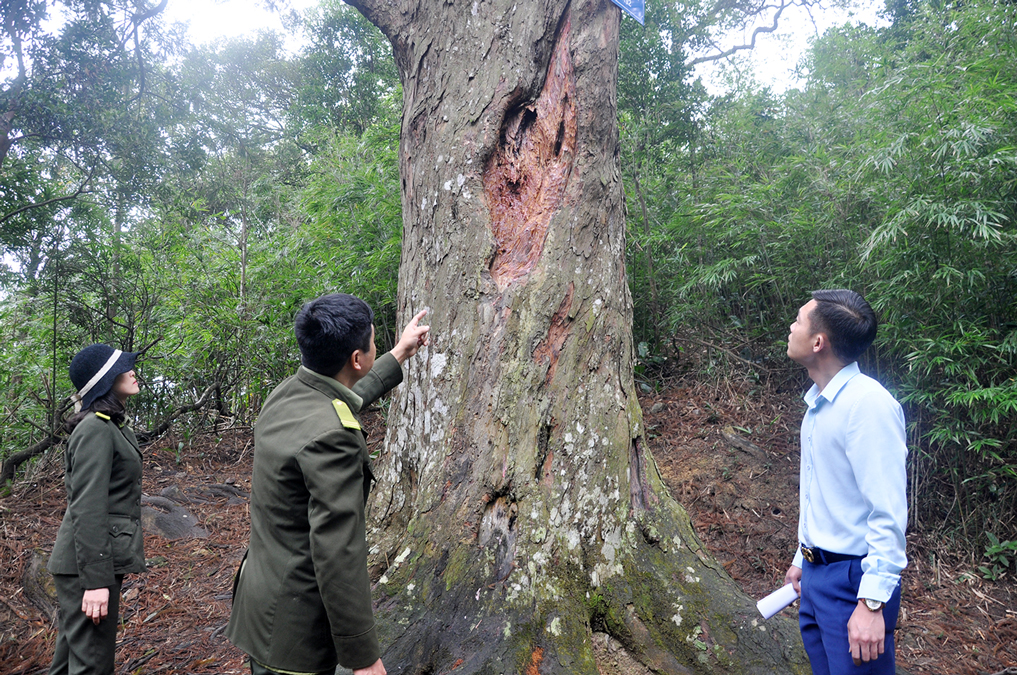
(818, 556)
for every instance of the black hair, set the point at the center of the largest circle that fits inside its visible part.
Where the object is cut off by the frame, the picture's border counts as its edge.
(847, 319)
(330, 329)
(108, 404)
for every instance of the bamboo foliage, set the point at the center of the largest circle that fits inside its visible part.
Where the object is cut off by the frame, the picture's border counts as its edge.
(893, 171)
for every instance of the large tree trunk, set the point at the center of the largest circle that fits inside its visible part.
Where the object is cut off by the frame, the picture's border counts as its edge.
(518, 509)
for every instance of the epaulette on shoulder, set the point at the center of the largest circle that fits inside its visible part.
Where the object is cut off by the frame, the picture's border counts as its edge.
(102, 417)
(345, 414)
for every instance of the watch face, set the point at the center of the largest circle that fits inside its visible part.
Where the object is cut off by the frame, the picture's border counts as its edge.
(874, 605)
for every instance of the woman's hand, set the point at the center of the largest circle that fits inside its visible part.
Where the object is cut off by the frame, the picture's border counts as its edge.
(95, 604)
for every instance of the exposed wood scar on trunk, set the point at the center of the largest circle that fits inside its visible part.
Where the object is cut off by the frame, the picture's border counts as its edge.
(533, 667)
(639, 492)
(498, 532)
(545, 455)
(549, 349)
(526, 176)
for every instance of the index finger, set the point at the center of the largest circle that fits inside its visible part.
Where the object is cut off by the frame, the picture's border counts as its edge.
(417, 317)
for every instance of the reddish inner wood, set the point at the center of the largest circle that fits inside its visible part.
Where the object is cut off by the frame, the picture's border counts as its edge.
(525, 179)
(549, 348)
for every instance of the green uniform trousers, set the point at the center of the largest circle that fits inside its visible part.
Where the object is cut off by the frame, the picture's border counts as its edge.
(82, 647)
(258, 669)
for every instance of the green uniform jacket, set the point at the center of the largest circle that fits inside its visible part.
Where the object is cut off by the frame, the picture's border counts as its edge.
(100, 535)
(303, 597)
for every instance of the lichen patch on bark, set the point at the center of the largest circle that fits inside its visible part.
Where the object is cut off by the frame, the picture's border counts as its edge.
(526, 176)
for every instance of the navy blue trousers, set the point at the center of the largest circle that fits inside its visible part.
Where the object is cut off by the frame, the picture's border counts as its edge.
(829, 597)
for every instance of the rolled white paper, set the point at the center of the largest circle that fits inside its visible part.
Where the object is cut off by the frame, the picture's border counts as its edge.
(776, 601)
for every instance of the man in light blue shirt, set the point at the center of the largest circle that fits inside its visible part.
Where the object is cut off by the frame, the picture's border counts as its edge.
(852, 493)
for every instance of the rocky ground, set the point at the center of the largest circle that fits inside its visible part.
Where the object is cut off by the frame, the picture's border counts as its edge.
(728, 453)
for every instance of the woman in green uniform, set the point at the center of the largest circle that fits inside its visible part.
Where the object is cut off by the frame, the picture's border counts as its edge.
(100, 537)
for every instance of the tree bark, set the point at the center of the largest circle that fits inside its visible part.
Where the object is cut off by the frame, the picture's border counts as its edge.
(518, 509)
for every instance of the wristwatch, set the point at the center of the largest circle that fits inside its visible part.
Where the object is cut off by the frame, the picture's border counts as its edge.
(873, 605)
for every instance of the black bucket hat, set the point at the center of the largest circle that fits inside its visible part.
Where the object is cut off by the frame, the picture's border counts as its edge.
(93, 371)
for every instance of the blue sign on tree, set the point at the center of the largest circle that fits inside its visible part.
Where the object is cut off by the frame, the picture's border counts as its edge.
(635, 8)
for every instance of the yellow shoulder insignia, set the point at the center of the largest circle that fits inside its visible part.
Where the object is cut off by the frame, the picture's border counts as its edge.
(102, 417)
(345, 414)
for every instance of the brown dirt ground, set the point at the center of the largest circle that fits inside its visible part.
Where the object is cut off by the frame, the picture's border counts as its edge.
(743, 505)
(745, 509)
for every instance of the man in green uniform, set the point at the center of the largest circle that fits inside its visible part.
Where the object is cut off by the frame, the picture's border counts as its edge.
(303, 598)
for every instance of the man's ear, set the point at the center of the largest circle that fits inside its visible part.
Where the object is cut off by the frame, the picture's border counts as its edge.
(819, 342)
(356, 361)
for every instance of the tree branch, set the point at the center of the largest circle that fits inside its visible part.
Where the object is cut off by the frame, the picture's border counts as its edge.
(728, 352)
(738, 48)
(141, 17)
(144, 350)
(13, 93)
(11, 464)
(141, 67)
(382, 13)
(145, 437)
(25, 420)
(28, 207)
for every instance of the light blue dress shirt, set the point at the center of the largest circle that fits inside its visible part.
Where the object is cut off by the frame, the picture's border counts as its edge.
(853, 484)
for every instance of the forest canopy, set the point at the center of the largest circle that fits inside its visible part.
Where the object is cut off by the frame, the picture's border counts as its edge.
(185, 201)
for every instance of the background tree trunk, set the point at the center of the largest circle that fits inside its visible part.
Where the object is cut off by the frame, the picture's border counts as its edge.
(518, 509)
